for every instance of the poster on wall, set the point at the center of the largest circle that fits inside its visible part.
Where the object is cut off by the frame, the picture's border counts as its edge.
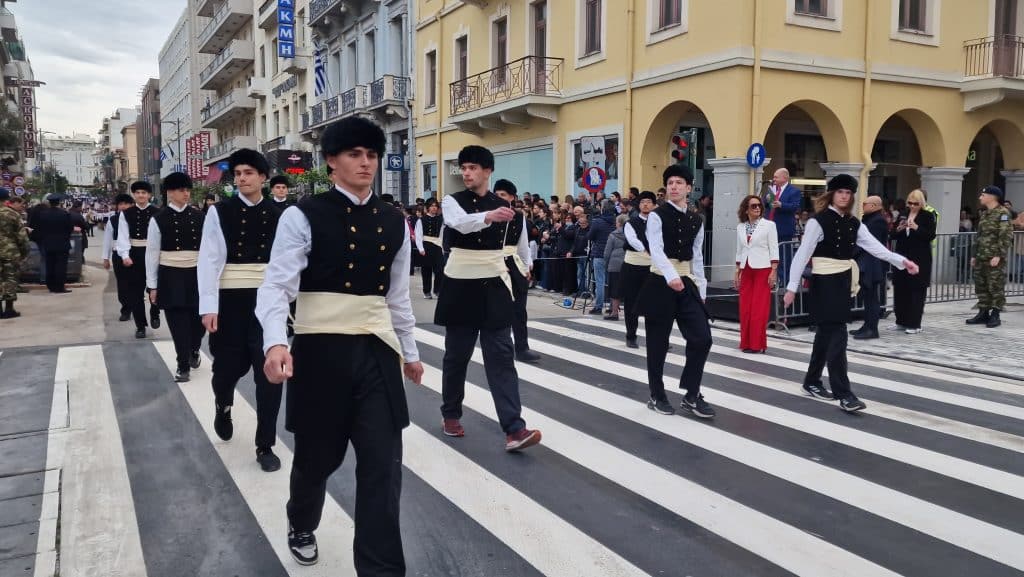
(602, 152)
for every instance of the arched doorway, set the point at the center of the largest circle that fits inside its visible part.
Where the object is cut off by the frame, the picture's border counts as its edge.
(906, 141)
(801, 136)
(986, 163)
(683, 129)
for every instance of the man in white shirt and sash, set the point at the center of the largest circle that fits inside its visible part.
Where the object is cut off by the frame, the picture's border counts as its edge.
(428, 232)
(636, 265)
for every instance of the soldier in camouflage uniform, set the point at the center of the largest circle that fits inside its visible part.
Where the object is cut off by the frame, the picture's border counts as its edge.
(995, 233)
(13, 249)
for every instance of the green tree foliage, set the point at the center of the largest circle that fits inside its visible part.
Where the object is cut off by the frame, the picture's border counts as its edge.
(11, 129)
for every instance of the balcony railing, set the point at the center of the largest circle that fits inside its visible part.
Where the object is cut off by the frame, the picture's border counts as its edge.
(994, 56)
(305, 121)
(232, 98)
(388, 87)
(528, 76)
(316, 114)
(228, 146)
(319, 8)
(353, 99)
(235, 50)
(224, 13)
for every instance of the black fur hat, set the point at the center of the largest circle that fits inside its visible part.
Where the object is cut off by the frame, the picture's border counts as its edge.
(842, 181)
(125, 198)
(679, 170)
(430, 202)
(474, 154)
(350, 133)
(177, 181)
(647, 195)
(250, 157)
(141, 185)
(505, 185)
(280, 179)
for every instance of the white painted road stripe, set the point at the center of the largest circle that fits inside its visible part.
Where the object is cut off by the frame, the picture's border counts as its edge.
(99, 529)
(790, 548)
(958, 529)
(264, 493)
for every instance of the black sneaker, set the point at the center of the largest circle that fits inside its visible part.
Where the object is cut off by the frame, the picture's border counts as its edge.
(302, 544)
(816, 390)
(195, 360)
(140, 333)
(631, 343)
(182, 376)
(660, 406)
(124, 317)
(697, 406)
(528, 356)
(267, 459)
(154, 318)
(222, 422)
(852, 404)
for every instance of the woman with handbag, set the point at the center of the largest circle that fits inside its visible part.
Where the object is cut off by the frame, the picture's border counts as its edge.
(757, 261)
(912, 238)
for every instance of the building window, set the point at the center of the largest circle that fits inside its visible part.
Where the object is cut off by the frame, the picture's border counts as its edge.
(540, 29)
(431, 88)
(602, 153)
(273, 58)
(670, 13)
(462, 53)
(500, 52)
(592, 23)
(812, 8)
(371, 55)
(916, 21)
(913, 17)
(263, 61)
(821, 14)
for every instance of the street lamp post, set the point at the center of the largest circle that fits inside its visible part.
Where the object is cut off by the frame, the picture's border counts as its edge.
(177, 137)
(53, 166)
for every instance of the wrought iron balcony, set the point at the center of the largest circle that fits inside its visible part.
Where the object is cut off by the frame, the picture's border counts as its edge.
(388, 89)
(332, 108)
(316, 113)
(232, 106)
(233, 59)
(227, 21)
(993, 71)
(228, 146)
(319, 9)
(509, 94)
(267, 15)
(353, 99)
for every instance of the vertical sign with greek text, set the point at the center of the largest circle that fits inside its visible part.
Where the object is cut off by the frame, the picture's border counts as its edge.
(28, 117)
(286, 28)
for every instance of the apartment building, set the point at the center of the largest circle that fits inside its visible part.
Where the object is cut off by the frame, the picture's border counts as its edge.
(126, 159)
(74, 157)
(900, 93)
(112, 148)
(149, 134)
(18, 85)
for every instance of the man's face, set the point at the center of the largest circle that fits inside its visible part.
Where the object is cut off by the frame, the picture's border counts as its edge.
(355, 168)
(210, 201)
(432, 210)
(15, 203)
(280, 191)
(677, 190)
(871, 206)
(780, 178)
(646, 206)
(248, 180)
(577, 211)
(504, 195)
(475, 176)
(842, 198)
(583, 221)
(123, 206)
(142, 197)
(179, 196)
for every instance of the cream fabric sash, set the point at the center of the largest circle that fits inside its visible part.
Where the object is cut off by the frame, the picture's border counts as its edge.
(682, 269)
(474, 264)
(511, 251)
(345, 314)
(138, 242)
(637, 258)
(179, 258)
(242, 275)
(435, 240)
(823, 266)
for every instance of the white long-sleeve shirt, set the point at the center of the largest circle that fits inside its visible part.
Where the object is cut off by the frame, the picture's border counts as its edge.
(152, 246)
(466, 223)
(124, 236)
(418, 234)
(632, 237)
(108, 240)
(213, 255)
(813, 235)
(661, 262)
(290, 256)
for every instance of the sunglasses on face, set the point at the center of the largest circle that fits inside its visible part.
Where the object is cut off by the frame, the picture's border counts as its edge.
(913, 204)
(754, 206)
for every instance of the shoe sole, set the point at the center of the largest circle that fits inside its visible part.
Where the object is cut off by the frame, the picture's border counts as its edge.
(154, 323)
(697, 413)
(816, 396)
(181, 380)
(270, 469)
(659, 411)
(530, 441)
(853, 409)
(531, 361)
(305, 562)
(453, 433)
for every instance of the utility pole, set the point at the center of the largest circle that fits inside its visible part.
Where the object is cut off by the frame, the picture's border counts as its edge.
(177, 137)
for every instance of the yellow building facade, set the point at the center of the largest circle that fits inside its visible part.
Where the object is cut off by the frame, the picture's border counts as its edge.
(900, 93)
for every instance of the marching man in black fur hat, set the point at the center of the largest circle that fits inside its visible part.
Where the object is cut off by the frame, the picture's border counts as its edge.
(237, 237)
(636, 264)
(344, 257)
(829, 239)
(428, 232)
(279, 188)
(172, 256)
(520, 264)
(131, 243)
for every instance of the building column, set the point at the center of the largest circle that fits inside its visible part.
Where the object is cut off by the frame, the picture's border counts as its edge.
(1014, 187)
(836, 168)
(945, 185)
(731, 185)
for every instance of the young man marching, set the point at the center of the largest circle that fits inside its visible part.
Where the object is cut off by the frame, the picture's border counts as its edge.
(520, 264)
(478, 300)
(637, 264)
(279, 186)
(172, 256)
(830, 238)
(674, 293)
(344, 256)
(132, 241)
(122, 202)
(238, 234)
(428, 243)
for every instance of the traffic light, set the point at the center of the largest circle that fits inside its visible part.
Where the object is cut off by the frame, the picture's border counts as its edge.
(684, 149)
(681, 152)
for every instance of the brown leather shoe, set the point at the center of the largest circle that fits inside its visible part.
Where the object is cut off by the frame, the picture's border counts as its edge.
(522, 439)
(453, 428)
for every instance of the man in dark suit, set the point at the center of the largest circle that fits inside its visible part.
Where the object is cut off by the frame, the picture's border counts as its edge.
(872, 270)
(52, 230)
(783, 203)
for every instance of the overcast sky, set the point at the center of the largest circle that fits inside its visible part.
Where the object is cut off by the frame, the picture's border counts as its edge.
(93, 56)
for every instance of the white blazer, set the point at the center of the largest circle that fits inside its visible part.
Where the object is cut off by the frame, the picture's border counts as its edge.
(763, 247)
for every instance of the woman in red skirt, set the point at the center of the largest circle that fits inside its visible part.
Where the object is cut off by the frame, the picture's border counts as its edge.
(757, 257)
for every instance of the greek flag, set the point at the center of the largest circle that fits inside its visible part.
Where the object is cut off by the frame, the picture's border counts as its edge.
(320, 72)
(163, 155)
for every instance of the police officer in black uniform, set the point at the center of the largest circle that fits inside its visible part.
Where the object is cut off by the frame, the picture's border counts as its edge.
(52, 228)
(132, 240)
(428, 232)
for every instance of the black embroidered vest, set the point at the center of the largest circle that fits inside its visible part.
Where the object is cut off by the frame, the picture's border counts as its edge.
(248, 230)
(840, 235)
(678, 231)
(515, 230)
(640, 228)
(489, 238)
(138, 221)
(432, 225)
(180, 230)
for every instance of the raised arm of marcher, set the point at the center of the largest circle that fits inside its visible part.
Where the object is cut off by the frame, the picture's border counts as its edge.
(458, 219)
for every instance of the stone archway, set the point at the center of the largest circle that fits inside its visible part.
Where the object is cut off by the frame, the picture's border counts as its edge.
(908, 140)
(995, 156)
(655, 156)
(801, 136)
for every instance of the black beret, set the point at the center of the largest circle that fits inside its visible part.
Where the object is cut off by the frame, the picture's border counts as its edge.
(842, 181)
(474, 154)
(4, 193)
(352, 132)
(679, 170)
(250, 157)
(177, 181)
(647, 195)
(505, 185)
(994, 191)
(141, 185)
(123, 198)
(280, 179)
(388, 198)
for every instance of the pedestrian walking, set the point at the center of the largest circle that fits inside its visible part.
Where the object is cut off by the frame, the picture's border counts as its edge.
(479, 301)
(132, 240)
(757, 262)
(52, 229)
(343, 256)
(992, 243)
(614, 256)
(519, 261)
(636, 265)
(428, 242)
(122, 203)
(172, 257)
(830, 238)
(872, 270)
(13, 250)
(238, 234)
(915, 231)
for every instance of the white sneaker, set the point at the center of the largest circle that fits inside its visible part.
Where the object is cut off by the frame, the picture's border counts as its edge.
(913, 331)
(897, 328)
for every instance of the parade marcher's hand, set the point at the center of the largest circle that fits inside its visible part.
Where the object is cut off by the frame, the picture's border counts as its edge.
(278, 366)
(503, 214)
(788, 299)
(127, 261)
(529, 275)
(106, 263)
(676, 285)
(911, 267)
(423, 253)
(994, 262)
(736, 279)
(972, 262)
(414, 372)
(152, 296)
(210, 322)
(773, 278)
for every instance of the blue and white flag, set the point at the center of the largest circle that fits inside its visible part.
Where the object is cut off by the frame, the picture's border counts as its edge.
(163, 155)
(319, 72)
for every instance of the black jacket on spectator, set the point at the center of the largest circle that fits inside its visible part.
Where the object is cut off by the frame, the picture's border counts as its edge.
(872, 270)
(916, 245)
(580, 240)
(600, 227)
(51, 228)
(566, 237)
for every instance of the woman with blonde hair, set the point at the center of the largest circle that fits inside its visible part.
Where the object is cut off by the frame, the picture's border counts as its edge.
(757, 261)
(912, 238)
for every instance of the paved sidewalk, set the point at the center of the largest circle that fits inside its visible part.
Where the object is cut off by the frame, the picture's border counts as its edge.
(945, 341)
